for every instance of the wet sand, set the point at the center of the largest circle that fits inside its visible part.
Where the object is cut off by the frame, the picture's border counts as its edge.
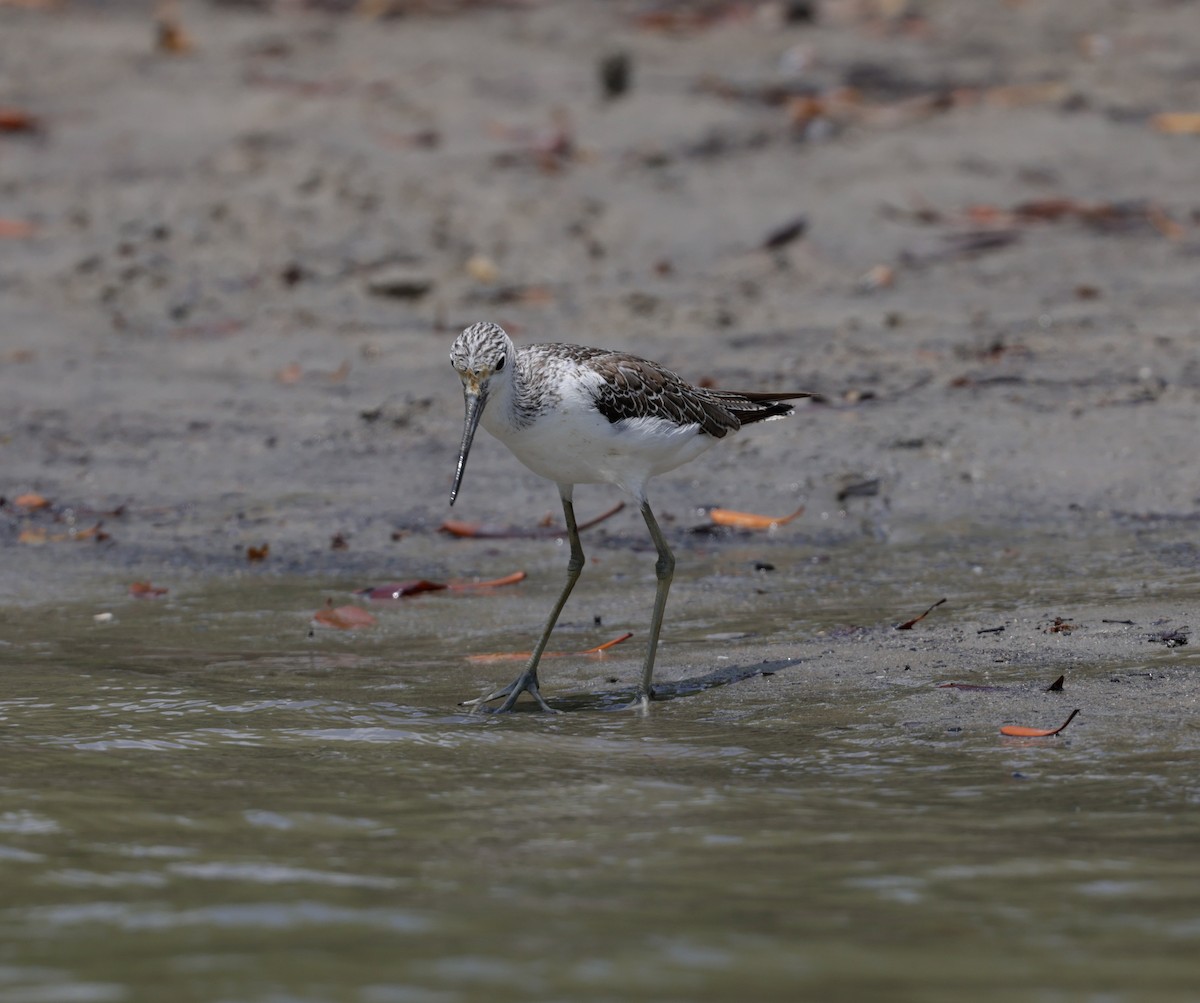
(229, 324)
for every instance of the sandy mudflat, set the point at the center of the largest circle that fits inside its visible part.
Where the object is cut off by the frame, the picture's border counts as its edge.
(229, 325)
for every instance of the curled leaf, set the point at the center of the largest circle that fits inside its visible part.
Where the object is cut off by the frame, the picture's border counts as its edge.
(908, 624)
(1020, 731)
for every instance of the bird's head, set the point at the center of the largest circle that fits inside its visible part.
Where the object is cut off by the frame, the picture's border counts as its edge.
(481, 354)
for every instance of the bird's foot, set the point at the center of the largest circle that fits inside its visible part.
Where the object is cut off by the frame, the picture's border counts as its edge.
(525, 683)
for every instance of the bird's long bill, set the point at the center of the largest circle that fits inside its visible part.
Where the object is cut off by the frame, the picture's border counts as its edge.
(474, 400)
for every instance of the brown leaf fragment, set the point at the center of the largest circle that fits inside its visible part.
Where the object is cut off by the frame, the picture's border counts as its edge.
(399, 590)
(18, 120)
(95, 532)
(908, 624)
(338, 542)
(34, 536)
(1059, 626)
(145, 590)
(258, 553)
(170, 37)
(412, 587)
(342, 617)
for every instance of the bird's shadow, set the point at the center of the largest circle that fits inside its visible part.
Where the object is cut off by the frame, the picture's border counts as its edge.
(624, 698)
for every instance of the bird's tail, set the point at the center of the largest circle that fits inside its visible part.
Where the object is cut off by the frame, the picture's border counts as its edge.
(751, 407)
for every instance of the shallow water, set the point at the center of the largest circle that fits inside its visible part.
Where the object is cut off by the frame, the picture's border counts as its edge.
(200, 801)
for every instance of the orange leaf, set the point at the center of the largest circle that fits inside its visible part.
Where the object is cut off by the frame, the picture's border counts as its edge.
(34, 535)
(1177, 123)
(31, 500)
(456, 527)
(144, 590)
(1019, 731)
(748, 520)
(343, 617)
(16, 229)
(520, 656)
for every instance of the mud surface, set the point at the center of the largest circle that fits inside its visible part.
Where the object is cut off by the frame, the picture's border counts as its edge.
(229, 280)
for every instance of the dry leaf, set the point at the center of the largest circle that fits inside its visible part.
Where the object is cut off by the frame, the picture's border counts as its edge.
(16, 229)
(144, 590)
(749, 520)
(258, 553)
(1177, 123)
(343, 617)
(401, 590)
(17, 120)
(31, 500)
(1020, 731)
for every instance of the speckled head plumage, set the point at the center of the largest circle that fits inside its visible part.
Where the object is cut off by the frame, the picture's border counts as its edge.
(478, 354)
(481, 349)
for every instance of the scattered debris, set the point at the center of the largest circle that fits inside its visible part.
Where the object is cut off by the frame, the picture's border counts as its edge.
(145, 590)
(1171, 638)
(908, 624)
(1060, 626)
(1019, 731)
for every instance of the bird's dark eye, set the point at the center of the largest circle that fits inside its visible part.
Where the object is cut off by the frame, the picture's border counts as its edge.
(500, 364)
